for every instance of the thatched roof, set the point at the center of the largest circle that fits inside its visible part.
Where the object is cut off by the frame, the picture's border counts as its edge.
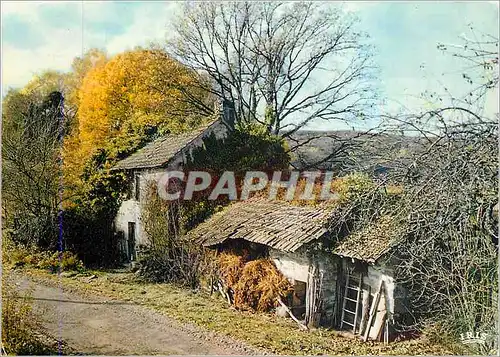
(276, 224)
(371, 242)
(287, 227)
(160, 151)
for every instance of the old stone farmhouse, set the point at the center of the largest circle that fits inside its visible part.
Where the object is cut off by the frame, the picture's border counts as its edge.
(147, 165)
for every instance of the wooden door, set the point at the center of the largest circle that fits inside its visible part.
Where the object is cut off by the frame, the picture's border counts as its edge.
(131, 241)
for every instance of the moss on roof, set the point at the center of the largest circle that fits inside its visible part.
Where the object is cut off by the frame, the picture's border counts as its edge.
(372, 241)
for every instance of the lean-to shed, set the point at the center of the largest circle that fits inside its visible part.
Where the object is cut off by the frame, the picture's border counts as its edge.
(336, 286)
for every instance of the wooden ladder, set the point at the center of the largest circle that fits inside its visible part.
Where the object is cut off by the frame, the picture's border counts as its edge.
(352, 284)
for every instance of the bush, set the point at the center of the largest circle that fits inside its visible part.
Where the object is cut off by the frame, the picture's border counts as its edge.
(178, 265)
(65, 261)
(167, 257)
(353, 186)
(17, 256)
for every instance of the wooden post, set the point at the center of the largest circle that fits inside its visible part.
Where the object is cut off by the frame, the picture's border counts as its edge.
(366, 310)
(373, 310)
(301, 325)
(380, 316)
(311, 297)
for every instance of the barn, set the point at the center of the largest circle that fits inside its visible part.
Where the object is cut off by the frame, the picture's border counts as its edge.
(342, 282)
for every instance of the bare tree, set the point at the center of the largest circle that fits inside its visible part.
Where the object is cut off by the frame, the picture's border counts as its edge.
(443, 217)
(448, 260)
(31, 147)
(282, 64)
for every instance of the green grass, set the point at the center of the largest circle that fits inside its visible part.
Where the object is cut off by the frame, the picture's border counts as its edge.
(277, 335)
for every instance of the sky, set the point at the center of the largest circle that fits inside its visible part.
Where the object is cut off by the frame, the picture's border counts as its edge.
(48, 35)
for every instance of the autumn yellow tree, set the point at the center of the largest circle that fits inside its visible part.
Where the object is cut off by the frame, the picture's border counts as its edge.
(46, 82)
(93, 58)
(67, 83)
(123, 102)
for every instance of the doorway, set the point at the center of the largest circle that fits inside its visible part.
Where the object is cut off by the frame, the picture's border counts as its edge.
(131, 241)
(298, 300)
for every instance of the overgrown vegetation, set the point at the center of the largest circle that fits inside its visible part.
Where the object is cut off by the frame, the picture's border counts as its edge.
(169, 257)
(245, 149)
(444, 209)
(450, 253)
(442, 225)
(20, 327)
(63, 132)
(17, 256)
(449, 258)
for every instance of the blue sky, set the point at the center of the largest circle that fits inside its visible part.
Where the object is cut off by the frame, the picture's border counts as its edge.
(48, 35)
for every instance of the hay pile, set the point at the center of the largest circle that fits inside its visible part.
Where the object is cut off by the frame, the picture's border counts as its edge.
(230, 266)
(255, 284)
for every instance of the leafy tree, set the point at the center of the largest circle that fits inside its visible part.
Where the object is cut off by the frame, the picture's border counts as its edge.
(125, 102)
(93, 58)
(68, 83)
(36, 118)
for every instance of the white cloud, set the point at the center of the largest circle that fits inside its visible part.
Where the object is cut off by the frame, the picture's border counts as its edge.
(61, 45)
(19, 65)
(149, 25)
(355, 6)
(27, 9)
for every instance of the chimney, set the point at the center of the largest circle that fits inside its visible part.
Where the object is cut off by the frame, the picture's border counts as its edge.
(228, 113)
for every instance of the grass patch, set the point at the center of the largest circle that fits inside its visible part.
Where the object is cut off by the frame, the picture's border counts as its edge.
(21, 331)
(277, 335)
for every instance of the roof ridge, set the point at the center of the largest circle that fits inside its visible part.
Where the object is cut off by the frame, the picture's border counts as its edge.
(159, 151)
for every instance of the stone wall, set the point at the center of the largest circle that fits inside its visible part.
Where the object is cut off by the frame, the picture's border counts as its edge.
(298, 266)
(328, 270)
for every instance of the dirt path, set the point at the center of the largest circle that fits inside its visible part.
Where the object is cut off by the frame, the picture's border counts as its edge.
(111, 327)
